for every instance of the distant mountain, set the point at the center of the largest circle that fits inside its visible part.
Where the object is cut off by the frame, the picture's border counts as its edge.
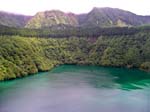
(13, 20)
(101, 17)
(51, 18)
(110, 17)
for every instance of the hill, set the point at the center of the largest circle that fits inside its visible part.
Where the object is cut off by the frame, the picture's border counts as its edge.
(13, 20)
(112, 17)
(101, 17)
(20, 56)
(50, 18)
(97, 17)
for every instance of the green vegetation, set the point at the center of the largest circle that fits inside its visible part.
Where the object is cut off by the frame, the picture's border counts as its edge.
(50, 18)
(145, 66)
(100, 17)
(13, 20)
(22, 56)
(66, 31)
(102, 37)
(112, 17)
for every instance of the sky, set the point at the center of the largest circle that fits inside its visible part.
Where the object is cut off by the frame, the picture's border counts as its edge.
(31, 7)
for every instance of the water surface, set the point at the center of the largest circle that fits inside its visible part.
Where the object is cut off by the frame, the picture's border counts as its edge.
(71, 88)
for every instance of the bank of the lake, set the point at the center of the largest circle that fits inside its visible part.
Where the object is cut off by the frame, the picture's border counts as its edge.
(23, 56)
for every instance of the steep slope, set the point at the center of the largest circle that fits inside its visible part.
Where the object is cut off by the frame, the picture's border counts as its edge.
(109, 17)
(52, 18)
(13, 20)
(21, 56)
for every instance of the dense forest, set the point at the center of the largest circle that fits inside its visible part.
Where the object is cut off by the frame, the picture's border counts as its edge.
(21, 56)
(60, 31)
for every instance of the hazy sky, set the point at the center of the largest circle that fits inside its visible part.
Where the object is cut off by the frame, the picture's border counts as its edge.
(30, 7)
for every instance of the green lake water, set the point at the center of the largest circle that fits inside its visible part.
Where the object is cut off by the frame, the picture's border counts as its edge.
(71, 88)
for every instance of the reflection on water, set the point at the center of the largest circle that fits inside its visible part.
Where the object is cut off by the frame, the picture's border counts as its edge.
(71, 88)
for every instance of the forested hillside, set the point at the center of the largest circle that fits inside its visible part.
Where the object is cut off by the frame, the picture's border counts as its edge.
(22, 56)
(13, 20)
(104, 37)
(112, 17)
(50, 18)
(100, 17)
(63, 31)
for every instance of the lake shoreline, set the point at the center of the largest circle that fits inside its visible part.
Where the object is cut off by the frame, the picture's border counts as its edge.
(57, 65)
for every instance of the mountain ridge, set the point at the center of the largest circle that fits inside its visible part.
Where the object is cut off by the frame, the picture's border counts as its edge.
(114, 17)
(13, 20)
(50, 18)
(101, 17)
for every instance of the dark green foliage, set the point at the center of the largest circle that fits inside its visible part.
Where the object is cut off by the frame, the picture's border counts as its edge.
(20, 56)
(145, 66)
(70, 31)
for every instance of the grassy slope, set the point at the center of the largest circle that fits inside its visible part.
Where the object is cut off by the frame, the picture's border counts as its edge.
(20, 56)
(50, 18)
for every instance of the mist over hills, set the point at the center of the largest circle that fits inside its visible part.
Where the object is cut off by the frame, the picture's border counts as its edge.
(101, 17)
